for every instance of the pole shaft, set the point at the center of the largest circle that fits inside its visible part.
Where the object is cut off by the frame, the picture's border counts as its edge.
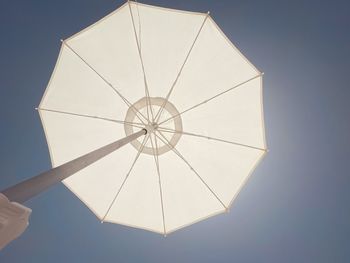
(27, 189)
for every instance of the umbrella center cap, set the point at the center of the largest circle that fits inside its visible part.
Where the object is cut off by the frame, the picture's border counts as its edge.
(151, 127)
(162, 121)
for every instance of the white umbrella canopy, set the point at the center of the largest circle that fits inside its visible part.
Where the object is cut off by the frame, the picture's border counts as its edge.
(176, 74)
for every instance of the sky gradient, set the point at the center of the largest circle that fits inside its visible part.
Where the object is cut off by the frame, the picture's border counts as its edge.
(294, 208)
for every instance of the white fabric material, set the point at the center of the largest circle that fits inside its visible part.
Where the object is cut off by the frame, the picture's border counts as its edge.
(139, 199)
(109, 46)
(70, 137)
(234, 116)
(225, 173)
(100, 73)
(215, 65)
(75, 88)
(166, 39)
(186, 198)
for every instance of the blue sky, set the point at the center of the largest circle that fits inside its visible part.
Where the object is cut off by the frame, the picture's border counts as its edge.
(295, 207)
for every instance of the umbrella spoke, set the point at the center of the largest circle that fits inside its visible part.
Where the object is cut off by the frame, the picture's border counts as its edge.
(165, 141)
(127, 175)
(211, 98)
(134, 124)
(160, 111)
(138, 42)
(210, 138)
(126, 101)
(156, 159)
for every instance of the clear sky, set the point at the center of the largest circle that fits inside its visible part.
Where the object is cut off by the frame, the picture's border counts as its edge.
(295, 207)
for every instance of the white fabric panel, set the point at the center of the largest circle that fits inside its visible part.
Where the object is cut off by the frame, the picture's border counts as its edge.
(165, 40)
(138, 203)
(186, 199)
(70, 137)
(213, 66)
(109, 46)
(235, 116)
(75, 88)
(225, 173)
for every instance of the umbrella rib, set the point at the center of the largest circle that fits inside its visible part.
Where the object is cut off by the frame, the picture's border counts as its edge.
(126, 177)
(138, 43)
(126, 101)
(211, 98)
(190, 166)
(211, 138)
(138, 125)
(159, 113)
(156, 159)
(160, 186)
(138, 15)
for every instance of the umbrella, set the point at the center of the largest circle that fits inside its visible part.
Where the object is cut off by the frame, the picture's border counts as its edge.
(176, 75)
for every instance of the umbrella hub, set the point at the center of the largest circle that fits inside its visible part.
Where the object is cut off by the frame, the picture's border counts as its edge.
(162, 121)
(151, 127)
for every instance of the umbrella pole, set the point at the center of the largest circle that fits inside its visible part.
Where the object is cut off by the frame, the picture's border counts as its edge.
(14, 216)
(27, 189)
